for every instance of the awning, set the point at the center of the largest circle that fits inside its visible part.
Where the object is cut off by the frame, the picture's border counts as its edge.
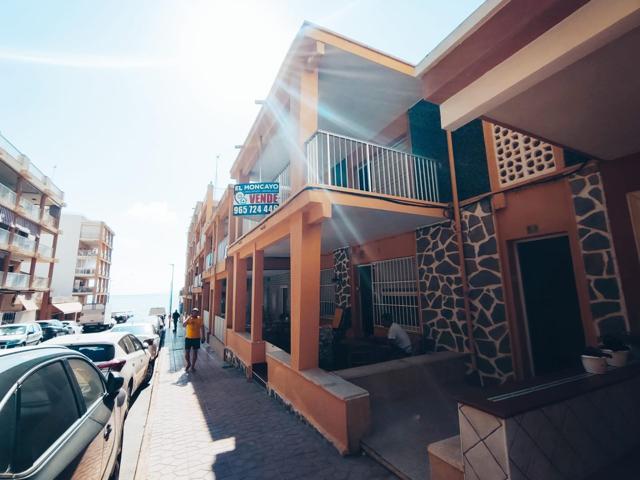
(157, 311)
(69, 307)
(28, 304)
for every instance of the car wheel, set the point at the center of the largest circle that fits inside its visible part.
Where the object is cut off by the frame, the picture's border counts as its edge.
(115, 473)
(23, 344)
(149, 375)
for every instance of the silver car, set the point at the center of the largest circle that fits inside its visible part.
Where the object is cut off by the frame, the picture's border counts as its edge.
(20, 335)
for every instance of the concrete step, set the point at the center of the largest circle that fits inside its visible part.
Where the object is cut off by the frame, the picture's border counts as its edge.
(445, 459)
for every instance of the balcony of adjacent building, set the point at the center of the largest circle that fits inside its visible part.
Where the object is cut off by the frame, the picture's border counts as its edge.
(29, 204)
(18, 163)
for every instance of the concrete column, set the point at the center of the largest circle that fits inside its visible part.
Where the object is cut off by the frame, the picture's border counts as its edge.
(257, 282)
(305, 242)
(239, 293)
(217, 297)
(307, 113)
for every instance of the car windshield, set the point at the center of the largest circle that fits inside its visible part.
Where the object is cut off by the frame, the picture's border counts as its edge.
(12, 330)
(97, 352)
(45, 324)
(140, 329)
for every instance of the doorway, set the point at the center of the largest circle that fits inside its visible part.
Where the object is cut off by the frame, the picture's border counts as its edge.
(365, 290)
(550, 304)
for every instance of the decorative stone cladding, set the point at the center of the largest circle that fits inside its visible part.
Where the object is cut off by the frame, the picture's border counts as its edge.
(520, 157)
(442, 295)
(342, 268)
(441, 287)
(486, 295)
(605, 292)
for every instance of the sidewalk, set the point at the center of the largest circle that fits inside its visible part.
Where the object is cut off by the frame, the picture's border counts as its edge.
(214, 424)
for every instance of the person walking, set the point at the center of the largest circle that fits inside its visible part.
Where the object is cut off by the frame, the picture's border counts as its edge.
(175, 317)
(194, 335)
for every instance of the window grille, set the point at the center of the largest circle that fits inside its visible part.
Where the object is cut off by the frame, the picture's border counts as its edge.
(327, 293)
(520, 157)
(395, 291)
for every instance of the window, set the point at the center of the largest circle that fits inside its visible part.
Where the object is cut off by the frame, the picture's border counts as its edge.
(47, 409)
(8, 428)
(96, 353)
(89, 381)
(327, 293)
(395, 292)
(136, 343)
(126, 345)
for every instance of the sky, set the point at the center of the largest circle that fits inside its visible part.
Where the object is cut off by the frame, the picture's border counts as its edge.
(127, 104)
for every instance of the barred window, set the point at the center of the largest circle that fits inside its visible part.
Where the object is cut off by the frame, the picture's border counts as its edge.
(327, 293)
(395, 292)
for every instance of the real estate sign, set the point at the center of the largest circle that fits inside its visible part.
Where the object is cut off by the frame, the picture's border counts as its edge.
(259, 198)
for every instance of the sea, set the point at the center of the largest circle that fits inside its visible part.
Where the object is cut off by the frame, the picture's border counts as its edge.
(139, 304)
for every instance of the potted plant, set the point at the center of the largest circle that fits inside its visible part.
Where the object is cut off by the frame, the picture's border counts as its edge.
(594, 360)
(617, 350)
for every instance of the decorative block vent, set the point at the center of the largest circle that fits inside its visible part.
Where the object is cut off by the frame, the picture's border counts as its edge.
(520, 157)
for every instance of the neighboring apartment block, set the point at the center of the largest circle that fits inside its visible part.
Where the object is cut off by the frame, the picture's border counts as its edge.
(84, 270)
(30, 206)
(490, 210)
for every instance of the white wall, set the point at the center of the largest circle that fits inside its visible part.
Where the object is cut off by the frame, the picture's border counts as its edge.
(67, 252)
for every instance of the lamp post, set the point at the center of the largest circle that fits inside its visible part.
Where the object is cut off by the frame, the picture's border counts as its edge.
(171, 291)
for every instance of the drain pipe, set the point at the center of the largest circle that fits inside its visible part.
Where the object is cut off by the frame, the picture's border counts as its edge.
(463, 270)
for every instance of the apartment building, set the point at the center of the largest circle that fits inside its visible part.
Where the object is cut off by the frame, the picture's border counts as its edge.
(84, 270)
(485, 202)
(30, 206)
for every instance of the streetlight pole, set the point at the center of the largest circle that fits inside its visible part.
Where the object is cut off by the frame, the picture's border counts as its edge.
(171, 291)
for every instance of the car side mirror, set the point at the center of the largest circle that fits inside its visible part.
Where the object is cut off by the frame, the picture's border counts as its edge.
(114, 383)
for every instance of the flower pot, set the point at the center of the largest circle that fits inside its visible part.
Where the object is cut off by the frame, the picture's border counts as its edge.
(618, 358)
(594, 364)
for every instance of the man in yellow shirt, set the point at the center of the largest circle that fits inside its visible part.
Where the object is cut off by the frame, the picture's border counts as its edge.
(194, 334)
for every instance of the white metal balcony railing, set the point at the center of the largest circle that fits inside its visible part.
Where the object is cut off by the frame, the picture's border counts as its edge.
(23, 243)
(248, 224)
(87, 252)
(350, 163)
(82, 289)
(4, 236)
(17, 280)
(32, 211)
(40, 283)
(284, 179)
(7, 195)
(45, 250)
(221, 251)
(85, 271)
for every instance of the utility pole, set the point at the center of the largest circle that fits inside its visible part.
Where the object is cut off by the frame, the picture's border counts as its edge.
(171, 291)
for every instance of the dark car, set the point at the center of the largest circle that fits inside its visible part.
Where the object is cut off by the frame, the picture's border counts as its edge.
(52, 328)
(60, 417)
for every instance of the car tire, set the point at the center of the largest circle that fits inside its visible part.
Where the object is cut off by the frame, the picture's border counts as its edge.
(23, 344)
(115, 473)
(129, 396)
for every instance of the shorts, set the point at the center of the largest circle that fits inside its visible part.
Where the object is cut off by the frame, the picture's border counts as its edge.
(191, 343)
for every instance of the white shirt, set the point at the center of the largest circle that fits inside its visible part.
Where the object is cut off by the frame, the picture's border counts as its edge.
(399, 337)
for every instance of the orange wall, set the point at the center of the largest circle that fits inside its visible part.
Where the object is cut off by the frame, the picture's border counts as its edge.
(403, 245)
(396, 129)
(343, 422)
(548, 207)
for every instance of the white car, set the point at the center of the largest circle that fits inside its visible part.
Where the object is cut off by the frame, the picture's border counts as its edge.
(20, 335)
(119, 352)
(72, 327)
(145, 333)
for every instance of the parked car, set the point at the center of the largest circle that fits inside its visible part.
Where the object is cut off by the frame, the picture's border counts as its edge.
(72, 327)
(52, 328)
(20, 335)
(145, 332)
(121, 317)
(59, 416)
(114, 352)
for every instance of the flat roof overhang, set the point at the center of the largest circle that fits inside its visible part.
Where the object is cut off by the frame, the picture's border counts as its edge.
(574, 85)
(348, 218)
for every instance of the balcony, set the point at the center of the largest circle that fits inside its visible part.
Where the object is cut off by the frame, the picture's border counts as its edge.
(221, 251)
(7, 196)
(90, 233)
(346, 162)
(208, 261)
(87, 252)
(49, 220)
(24, 244)
(4, 237)
(17, 281)
(30, 210)
(85, 271)
(82, 289)
(40, 283)
(45, 250)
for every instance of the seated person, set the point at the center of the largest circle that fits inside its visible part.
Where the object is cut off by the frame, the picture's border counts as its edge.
(397, 336)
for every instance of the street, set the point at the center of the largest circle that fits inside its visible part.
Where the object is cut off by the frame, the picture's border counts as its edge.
(214, 424)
